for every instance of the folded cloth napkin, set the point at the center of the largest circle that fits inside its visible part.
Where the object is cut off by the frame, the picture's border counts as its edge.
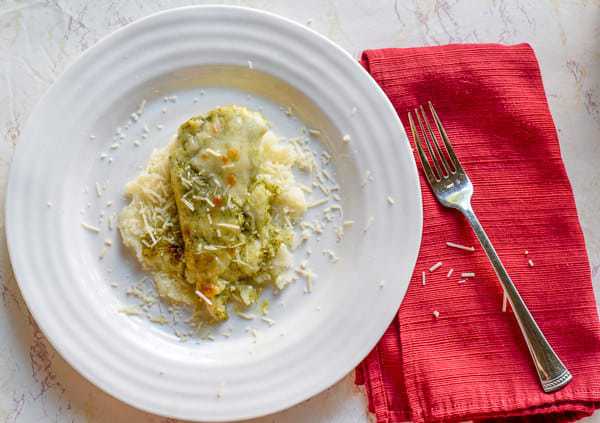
(471, 362)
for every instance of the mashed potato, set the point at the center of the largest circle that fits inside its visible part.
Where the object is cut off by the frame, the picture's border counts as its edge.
(211, 217)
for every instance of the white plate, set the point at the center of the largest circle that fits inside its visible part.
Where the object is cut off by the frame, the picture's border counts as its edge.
(318, 337)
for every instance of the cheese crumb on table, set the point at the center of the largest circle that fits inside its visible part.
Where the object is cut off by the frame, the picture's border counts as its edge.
(435, 266)
(459, 246)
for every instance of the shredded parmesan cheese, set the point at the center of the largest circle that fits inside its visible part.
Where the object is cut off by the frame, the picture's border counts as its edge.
(305, 188)
(423, 278)
(435, 266)
(325, 173)
(270, 322)
(110, 222)
(198, 197)
(318, 203)
(204, 297)
(391, 200)
(369, 223)
(213, 152)
(459, 246)
(246, 316)
(130, 311)
(467, 275)
(504, 302)
(530, 262)
(332, 256)
(367, 178)
(309, 276)
(346, 138)
(229, 226)
(90, 227)
(436, 314)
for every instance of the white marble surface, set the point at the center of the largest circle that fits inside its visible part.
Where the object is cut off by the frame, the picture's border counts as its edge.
(39, 38)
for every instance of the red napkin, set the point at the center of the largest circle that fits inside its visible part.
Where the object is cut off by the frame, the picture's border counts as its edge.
(471, 363)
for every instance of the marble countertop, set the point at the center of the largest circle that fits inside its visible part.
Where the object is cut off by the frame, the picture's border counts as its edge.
(39, 38)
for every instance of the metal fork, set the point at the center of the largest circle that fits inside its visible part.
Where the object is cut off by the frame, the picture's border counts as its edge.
(452, 187)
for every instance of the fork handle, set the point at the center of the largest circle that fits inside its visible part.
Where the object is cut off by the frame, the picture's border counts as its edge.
(552, 372)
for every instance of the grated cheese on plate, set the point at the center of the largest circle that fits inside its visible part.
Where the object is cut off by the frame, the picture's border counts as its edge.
(203, 297)
(369, 223)
(90, 227)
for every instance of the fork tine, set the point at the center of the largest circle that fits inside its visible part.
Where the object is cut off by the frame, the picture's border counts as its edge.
(436, 143)
(417, 139)
(444, 136)
(435, 160)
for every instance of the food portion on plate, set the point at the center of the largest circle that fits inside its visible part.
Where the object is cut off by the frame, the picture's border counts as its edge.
(212, 215)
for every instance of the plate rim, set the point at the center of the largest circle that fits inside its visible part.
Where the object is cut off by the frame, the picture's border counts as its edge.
(12, 192)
